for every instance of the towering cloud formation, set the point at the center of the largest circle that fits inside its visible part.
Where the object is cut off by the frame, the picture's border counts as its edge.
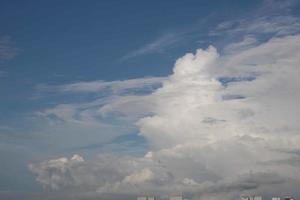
(220, 125)
(183, 102)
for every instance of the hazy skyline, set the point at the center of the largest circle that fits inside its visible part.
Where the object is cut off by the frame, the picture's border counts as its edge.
(113, 99)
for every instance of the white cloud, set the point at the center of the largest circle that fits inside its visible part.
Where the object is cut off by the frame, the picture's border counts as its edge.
(57, 169)
(108, 115)
(246, 43)
(114, 87)
(200, 142)
(139, 177)
(272, 17)
(277, 25)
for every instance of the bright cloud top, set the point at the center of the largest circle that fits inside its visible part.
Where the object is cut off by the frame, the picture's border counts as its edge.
(219, 125)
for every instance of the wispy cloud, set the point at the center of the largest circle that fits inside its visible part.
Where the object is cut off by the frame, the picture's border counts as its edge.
(246, 43)
(7, 48)
(158, 45)
(99, 85)
(278, 25)
(104, 110)
(278, 21)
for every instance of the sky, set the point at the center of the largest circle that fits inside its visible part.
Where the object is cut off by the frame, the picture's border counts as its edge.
(115, 99)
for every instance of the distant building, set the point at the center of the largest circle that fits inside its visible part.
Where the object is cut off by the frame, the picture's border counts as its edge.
(275, 198)
(245, 197)
(257, 198)
(176, 198)
(254, 197)
(147, 198)
(142, 198)
(288, 198)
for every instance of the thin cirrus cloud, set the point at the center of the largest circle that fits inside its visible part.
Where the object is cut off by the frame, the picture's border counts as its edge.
(7, 48)
(99, 85)
(157, 46)
(273, 17)
(7, 51)
(278, 22)
(278, 25)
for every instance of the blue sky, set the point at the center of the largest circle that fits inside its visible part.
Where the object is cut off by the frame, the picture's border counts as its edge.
(62, 42)
(85, 77)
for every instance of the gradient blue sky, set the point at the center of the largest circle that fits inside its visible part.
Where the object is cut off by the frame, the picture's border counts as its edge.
(62, 42)
(46, 45)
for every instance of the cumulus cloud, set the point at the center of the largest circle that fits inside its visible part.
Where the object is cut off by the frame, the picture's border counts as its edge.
(202, 142)
(57, 169)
